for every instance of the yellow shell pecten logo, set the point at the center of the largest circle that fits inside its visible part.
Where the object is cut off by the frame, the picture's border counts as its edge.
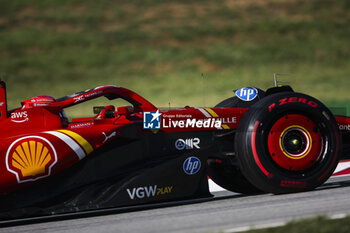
(30, 158)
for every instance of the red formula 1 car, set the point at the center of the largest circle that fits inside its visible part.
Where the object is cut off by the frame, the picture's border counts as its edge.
(276, 141)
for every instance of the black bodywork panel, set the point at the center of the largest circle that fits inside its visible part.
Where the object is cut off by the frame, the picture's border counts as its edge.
(127, 171)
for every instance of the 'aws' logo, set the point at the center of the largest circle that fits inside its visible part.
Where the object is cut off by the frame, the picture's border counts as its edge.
(19, 117)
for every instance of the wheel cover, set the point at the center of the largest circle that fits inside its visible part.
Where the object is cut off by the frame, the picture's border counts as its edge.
(295, 142)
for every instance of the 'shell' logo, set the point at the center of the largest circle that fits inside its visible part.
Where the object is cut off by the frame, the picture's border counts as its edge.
(30, 158)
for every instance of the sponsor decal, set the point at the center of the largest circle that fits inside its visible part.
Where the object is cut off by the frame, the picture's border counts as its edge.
(78, 98)
(30, 158)
(289, 183)
(228, 120)
(157, 120)
(344, 127)
(177, 116)
(109, 136)
(148, 191)
(188, 144)
(19, 117)
(247, 93)
(40, 104)
(192, 123)
(192, 165)
(81, 125)
(93, 94)
(151, 120)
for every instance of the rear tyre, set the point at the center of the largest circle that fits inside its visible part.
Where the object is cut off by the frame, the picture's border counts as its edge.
(287, 142)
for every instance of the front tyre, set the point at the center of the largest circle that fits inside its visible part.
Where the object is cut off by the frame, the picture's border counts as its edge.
(287, 142)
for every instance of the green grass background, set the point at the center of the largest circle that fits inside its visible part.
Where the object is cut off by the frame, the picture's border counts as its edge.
(160, 48)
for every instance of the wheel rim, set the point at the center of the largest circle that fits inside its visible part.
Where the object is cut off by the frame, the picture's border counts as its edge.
(295, 142)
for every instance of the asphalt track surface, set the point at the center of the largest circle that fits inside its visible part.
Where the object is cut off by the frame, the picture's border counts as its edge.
(227, 212)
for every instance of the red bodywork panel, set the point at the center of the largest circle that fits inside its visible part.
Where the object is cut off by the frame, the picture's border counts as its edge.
(344, 123)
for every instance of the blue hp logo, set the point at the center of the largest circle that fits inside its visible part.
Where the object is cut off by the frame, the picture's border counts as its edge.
(247, 94)
(192, 165)
(151, 120)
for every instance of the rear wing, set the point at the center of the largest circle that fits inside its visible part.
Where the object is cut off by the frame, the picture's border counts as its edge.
(3, 102)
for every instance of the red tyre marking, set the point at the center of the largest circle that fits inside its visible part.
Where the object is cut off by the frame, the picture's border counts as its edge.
(255, 154)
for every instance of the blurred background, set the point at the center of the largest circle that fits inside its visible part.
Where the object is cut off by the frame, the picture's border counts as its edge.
(161, 48)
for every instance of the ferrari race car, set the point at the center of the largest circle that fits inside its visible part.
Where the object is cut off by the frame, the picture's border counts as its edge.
(276, 141)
